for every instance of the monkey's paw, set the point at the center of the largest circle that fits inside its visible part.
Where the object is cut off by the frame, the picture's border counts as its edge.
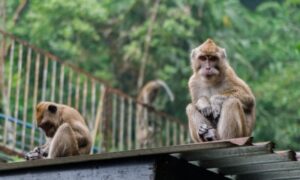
(210, 135)
(33, 155)
(205, 111)
(204, 107)
(216, 104)
(202, 130)
(36, 153)
(207, 133)
(216, 111)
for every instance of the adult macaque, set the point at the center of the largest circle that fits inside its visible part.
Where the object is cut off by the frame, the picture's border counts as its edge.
(223, 105)
(65, 129)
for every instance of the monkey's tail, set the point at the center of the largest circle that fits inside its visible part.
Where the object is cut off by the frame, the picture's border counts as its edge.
(167, 89)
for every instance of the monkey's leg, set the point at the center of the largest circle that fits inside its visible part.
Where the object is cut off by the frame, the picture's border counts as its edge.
(232, 122)
(201, 129)
(63, 143)
(83, 139)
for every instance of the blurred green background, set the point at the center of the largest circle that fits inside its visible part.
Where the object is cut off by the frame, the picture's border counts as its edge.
(108, 39)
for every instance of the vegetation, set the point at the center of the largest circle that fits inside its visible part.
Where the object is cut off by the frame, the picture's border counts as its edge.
(109, 39)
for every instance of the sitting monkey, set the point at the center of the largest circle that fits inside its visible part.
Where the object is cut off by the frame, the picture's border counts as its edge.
(223, 105)
(66, 131)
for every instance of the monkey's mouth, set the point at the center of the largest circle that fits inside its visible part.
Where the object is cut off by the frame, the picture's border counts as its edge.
(209, 73)
(46, 125)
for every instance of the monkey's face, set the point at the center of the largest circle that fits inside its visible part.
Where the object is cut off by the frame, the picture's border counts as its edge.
(207, 60)
(48, 117)
(208, 65)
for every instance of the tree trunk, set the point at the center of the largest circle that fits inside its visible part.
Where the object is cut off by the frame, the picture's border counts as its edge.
(147, 45)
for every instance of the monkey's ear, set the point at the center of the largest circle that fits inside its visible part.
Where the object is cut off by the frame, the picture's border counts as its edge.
(52, 108)
(223, 53)
(193, 54)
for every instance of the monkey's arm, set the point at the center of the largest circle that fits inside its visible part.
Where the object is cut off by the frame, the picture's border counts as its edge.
(216, 104)
(203, 106)
(244, 94)
(45, 147)
(240, 91)
(40, 152)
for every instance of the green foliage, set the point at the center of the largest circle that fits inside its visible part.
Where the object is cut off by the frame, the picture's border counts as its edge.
(107, 38)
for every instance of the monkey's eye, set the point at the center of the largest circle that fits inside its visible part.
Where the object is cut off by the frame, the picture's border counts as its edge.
(213, 58)
(202, 58)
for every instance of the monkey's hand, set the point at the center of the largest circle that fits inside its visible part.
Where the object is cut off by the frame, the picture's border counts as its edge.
(36, 153)
(216, 105)
(207, 133)
(203, 106)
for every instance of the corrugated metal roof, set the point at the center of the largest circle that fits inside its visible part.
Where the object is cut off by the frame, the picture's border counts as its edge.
(235, 158)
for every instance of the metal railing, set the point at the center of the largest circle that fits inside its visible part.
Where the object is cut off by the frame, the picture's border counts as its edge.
(31, 75)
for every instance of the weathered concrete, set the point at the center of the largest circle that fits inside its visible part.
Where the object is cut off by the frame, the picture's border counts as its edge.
(134, 170)
(143, 168)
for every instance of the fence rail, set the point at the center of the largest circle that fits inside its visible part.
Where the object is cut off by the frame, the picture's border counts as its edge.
(30, 75)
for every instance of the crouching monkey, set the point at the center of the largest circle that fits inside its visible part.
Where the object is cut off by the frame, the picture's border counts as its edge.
(65, 129)
(223, 105)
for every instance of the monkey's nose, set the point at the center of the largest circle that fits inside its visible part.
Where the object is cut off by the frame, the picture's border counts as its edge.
(207, 68)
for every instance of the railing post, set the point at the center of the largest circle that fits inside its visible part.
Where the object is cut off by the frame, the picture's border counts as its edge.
(25, 105)
(114, 121)
(99, 118)
(106, 144)
(2, 95)
(129, 125)
(7, 131)
(122, 127)
(35, 97)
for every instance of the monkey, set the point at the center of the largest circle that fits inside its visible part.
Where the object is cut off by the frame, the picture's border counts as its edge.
(66, 132)
(147, 95)
(149, 92)
(223, 105)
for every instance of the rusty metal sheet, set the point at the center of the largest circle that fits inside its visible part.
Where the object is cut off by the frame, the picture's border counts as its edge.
(261, 168)
(125, 154)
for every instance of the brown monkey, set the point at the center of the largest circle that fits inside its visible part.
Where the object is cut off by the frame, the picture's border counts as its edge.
(65, 129)
(149, 92)
(223, 105)
(147, 96)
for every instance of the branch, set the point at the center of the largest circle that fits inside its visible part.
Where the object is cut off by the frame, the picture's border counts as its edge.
(19, 11)
(3, 13)
(147, 44)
